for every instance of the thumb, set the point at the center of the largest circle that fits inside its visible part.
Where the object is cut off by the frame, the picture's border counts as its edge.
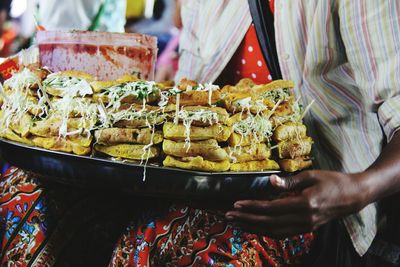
(292, 183)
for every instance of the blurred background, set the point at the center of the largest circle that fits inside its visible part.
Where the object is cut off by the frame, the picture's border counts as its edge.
(19, 20)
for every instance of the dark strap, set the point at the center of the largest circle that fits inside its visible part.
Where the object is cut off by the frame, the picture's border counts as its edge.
(263, 20)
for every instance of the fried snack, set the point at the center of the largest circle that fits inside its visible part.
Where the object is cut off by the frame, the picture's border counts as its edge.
(176, 132)
(10, 135)
(112, 136)
(197, 98)
(294, 148)
(248, 153)
(129, 92)
(204, 116)
(288, 131)
(236, 139)
(128, 151)
(293, 165)
(66, 82)
(22, 126)
(252, 166)
(208, 149)
(129, 99)
(51, 126)
(77, 146)
(159, 118)
(196, 163)
(99, 86)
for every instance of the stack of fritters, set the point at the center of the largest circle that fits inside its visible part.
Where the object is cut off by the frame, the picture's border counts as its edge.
(133, 115)
(71, 115)
(48, 110)
(293, 145)
(189, 126)
(249, 145)
(192, 137)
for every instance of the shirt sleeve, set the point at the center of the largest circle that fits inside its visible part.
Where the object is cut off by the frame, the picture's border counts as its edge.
(370, 33)
(190, 61)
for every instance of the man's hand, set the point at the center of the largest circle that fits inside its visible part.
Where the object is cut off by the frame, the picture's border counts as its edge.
(321, 196)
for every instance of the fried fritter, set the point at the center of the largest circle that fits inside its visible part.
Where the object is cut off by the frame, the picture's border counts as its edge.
(112, 136)
(252, 166)
(177, 132)
(128, 151)
(208, 149)
(288, 131)
(248, 153)
(293, 165)
(197, 163)
(294, 148)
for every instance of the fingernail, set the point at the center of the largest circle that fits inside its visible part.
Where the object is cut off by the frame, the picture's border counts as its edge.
(237, 206)
(229, 217)
(279, 181)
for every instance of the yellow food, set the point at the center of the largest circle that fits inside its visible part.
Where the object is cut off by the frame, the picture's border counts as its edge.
(177, 132)
(294, 148)
(62, 144)
(248, 153)
(142, 136)
(208, 149)
(293, 165)
(289, 130)
(128, 151)
(252, 166)
(197, 163)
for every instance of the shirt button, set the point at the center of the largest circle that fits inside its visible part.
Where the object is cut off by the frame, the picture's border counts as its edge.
(286, 56)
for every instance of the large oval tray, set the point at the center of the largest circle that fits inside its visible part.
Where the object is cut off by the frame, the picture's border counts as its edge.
(128, 177)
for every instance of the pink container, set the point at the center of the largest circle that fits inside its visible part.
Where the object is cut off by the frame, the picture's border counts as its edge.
(105, 55)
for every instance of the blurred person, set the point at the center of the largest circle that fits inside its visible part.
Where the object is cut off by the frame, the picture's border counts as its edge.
(7, 35)
(167, 62)
(4, 10)
(345, 56)
(159, 25)
(44, 223)
(95, 15)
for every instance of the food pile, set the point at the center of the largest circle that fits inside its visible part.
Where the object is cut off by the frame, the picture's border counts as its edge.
(245, 127)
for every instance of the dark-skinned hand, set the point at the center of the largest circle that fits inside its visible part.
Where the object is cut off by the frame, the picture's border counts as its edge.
(321, 196)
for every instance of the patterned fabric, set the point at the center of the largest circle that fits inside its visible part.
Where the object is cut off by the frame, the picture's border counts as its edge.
(247, 62)
(43, 224)
(183, 236)
(344, 54)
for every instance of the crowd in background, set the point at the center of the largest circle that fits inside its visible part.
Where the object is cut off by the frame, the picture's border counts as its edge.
(19, 20)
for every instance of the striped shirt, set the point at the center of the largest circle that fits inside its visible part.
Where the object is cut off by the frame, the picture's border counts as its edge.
(344, 54)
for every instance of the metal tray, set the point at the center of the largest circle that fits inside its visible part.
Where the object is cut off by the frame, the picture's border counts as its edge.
(128, 177)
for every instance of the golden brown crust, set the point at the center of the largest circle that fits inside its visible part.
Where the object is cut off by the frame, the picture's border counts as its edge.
(240, 140)
(128, 151)
(51, 126)
(253, 166)
(288, 131)
(208, 149)
(248, 153)
(112, 136)
(293, 165)
(197, 163)
(294, 148)
(76, 146)
(196, 98)
(10, 135)
(177, 132)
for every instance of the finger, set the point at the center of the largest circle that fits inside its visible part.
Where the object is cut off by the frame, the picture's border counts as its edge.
(292, 204)
(297, 182)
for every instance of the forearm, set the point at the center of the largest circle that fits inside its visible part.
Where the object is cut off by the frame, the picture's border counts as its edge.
(382, 178)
